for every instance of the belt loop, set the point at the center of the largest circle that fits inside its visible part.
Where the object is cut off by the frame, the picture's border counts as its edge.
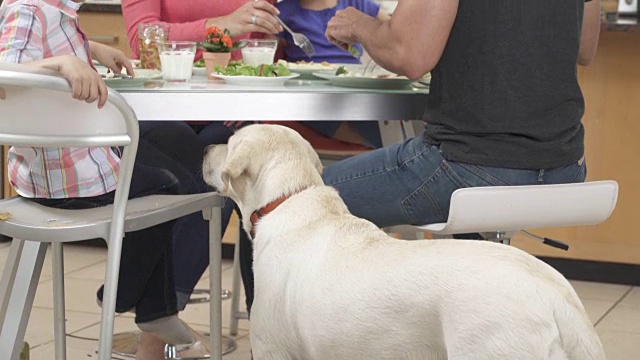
(541, 176)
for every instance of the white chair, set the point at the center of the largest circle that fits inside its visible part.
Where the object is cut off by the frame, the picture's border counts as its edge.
(39, 111)
(499, 212)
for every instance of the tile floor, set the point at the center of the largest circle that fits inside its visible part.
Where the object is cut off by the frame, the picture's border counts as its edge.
(614, 309)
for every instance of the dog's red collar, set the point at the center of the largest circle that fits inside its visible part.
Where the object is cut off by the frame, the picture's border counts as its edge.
(256, 215)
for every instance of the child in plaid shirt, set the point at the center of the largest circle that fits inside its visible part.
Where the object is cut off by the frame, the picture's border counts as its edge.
(46, 33)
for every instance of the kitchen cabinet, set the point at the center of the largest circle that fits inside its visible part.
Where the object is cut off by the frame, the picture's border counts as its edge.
(106, 28)
(611, 88)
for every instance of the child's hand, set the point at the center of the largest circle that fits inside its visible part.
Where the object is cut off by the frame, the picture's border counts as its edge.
(86, 83)
(113, 59)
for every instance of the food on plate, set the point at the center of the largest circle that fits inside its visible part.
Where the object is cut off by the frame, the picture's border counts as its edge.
(199, 63)
(237, 68)
(354, 52)
(307, 65)
(343, 72)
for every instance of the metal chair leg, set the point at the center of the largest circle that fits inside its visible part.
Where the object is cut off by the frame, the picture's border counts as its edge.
(9, 276)
(20, 298)
(59, 325)
(215, 281)
(107, 317)
(235, 287)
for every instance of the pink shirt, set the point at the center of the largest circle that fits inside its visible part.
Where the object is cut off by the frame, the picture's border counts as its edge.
(33, 30)
(186, 18)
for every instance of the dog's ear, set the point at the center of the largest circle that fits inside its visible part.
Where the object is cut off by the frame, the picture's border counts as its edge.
(319, 166)
(316, 159)
(237, 162)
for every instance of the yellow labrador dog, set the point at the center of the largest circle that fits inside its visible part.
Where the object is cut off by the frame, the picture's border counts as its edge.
(330, 286)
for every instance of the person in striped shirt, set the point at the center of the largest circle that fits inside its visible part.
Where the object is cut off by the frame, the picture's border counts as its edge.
(47, 33)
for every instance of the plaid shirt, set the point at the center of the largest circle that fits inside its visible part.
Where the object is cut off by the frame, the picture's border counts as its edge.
(32, 30)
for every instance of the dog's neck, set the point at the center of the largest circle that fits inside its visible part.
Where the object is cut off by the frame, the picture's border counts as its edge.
(265, 210)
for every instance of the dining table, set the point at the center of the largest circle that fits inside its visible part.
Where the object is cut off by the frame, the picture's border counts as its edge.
(201, 99)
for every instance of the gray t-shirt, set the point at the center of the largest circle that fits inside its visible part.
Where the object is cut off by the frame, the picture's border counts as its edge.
(505, 92)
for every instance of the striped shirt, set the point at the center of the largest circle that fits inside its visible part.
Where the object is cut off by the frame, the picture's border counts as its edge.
(32, 30)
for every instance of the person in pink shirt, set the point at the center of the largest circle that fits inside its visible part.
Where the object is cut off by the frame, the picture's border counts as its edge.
(188, 19)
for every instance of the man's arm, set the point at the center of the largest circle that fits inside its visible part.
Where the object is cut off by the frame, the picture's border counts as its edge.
(409, 44)
(590, 32)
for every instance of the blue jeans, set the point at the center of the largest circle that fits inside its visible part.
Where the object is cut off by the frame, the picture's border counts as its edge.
(411, 182)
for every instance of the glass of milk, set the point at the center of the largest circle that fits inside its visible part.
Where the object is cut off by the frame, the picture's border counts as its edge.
(258, 52)
(176, 58)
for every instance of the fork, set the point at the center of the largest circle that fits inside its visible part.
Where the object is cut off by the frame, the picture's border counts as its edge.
(300, 40)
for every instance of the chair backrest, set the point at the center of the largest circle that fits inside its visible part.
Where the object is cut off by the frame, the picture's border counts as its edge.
(38, 110)
(513, 208)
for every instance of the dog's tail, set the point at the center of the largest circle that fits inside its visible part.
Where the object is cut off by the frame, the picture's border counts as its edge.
(577, 335)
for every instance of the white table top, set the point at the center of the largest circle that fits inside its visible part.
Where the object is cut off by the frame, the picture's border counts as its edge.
(211, 100)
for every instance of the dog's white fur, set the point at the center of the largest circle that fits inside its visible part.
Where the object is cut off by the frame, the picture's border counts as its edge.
(330, 286)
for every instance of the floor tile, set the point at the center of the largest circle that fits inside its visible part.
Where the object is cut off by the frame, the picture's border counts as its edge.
(76, 256)
(243, 350)
(620, 345)
(596, 309)
(623, 317)
(83, 344)
(199, 313)
(633, 298)
(91, 272)
(40, 328)
(80, 295)
(599, 291)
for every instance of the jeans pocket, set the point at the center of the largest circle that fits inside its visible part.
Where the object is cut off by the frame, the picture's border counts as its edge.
(476, 175)
(429, 203)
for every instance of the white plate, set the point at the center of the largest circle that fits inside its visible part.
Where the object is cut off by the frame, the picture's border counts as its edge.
(141, 76)
(256, 80)
(306, 70)
(366, 82)
(310, 73)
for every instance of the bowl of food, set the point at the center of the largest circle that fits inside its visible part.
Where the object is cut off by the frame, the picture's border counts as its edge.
(199, 68)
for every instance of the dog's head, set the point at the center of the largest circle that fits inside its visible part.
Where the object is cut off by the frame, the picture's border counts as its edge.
(260, 164)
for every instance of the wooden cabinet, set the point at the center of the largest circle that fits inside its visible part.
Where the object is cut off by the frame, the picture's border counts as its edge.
(106, 28)
(611, 88)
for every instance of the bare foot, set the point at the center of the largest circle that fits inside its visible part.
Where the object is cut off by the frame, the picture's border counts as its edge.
(150, 347)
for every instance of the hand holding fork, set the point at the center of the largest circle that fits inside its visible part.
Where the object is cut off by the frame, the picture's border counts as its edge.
(300, 40)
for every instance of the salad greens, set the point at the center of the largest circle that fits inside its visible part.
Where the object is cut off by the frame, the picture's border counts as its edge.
(354, 51)
(236, 68)
(342, 71)
(199, 63)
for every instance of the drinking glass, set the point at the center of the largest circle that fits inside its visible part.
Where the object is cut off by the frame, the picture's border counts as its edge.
(258, 52)
(149, 36)
(177, 58)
